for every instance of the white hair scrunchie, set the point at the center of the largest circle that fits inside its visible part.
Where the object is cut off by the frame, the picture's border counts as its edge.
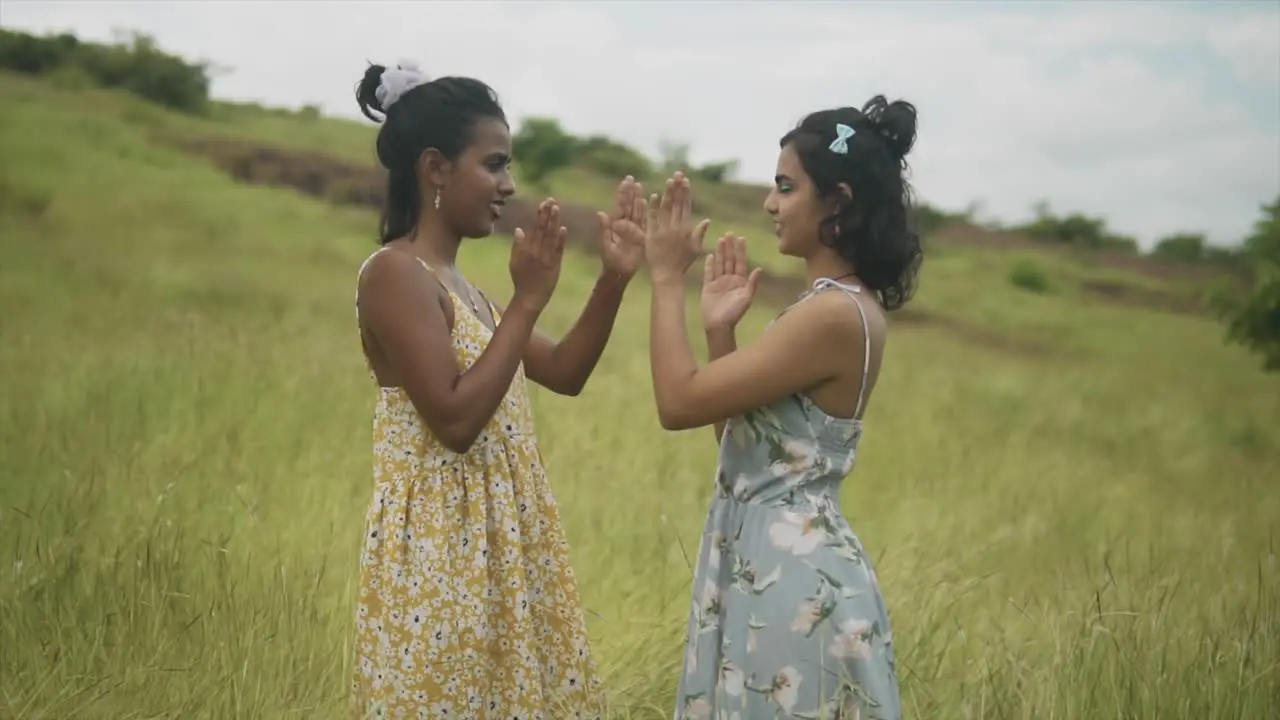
(397, 81)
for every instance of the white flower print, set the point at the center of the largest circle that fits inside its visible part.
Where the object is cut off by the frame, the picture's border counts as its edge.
(786, 688)
(801, 457)
(710, 598)
(713, 557)
(853, 640)
(796, 532)
(752, 626)
(696, 708)
(732, 680)
(808, 615)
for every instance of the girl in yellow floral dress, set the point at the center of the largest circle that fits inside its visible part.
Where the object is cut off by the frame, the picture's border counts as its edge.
(468, 606)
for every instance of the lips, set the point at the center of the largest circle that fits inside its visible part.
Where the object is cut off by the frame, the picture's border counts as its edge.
(495, 209)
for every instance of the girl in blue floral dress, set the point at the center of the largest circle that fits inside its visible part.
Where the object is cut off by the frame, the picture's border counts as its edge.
(787, 617)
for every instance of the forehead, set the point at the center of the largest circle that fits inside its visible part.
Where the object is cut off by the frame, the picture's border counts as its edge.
(789, 162)
(490, 134)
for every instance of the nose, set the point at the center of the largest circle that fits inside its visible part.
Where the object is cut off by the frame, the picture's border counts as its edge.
(770, 204)
(507, 186)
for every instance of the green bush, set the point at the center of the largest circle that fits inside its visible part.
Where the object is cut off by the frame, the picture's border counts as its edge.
(1253, 317)
(1076, 230)
(610, 158)
(542, 147)
(136, 65)
(1027, 275)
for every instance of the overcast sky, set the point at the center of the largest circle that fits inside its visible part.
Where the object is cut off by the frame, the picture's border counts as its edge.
(1158, 116)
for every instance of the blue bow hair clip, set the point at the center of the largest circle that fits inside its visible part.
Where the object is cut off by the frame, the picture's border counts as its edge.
(840, 145)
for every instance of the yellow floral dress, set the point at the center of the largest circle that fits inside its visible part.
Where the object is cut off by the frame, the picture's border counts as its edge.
(468, 606)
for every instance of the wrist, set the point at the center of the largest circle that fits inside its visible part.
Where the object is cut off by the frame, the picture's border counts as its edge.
(719, 330)
(526, 305)
(666, 278)
(612, 282)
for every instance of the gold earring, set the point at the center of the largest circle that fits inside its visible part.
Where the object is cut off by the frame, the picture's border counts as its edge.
(437, 198)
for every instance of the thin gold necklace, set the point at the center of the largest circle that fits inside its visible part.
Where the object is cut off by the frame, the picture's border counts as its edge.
(471, 299)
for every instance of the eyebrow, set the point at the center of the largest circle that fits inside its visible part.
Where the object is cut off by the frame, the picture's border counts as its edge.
(780, 178)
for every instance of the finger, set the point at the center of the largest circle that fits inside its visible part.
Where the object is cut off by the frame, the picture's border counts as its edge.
(553, 231)
(664, 208)
(639, 213)
(602, 219)
(562, 236)
(709, 269)
(724, 255)
(622, 198)
(677, 200)
(700, 233)
(519, 238)
(753, 281)
(654, 210)
(740, 256)
(539, 240)
(540, 221)
(686, 200)
(635, 204)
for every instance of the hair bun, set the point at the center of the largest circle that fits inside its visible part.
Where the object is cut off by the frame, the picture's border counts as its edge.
(367, 92)
(894, 121)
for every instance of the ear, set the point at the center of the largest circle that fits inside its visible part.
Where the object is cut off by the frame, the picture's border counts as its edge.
(434, 167)
(841, 198)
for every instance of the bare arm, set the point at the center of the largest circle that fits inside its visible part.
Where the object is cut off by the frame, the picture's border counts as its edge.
(802, 350)
(720, 342)
(399, 304)
(564, 367)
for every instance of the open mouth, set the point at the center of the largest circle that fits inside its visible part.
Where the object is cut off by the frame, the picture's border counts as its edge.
(495, 210)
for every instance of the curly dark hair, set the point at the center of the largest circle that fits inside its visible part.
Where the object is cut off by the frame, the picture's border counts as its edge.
(439, 114)
(874, 230)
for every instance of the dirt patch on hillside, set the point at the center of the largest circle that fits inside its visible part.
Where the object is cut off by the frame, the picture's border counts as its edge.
(344, 183)
(975, 237)
(1133, 296)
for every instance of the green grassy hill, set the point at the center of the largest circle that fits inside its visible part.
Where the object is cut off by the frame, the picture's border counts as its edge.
(1068, 496)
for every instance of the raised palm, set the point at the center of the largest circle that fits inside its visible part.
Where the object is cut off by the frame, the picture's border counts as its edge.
(622, 232)
(727, 287)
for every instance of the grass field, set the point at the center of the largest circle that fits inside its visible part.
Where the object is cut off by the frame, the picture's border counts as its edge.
(1077, 521)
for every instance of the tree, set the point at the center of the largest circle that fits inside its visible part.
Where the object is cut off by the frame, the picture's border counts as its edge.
(542, 147)
(1181, 247)
(1253, 318)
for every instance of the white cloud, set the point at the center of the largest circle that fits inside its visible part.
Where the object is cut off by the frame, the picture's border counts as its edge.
(1252, 47)
(1160, 117)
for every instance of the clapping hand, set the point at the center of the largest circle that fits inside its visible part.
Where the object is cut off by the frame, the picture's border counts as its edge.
(536, 257)
(622, 232)
(727, 288)
(673, 242)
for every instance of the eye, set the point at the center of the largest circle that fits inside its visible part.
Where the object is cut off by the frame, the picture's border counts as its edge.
(784, 187)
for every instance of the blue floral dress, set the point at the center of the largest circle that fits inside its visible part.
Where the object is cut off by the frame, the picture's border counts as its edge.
(787, 620)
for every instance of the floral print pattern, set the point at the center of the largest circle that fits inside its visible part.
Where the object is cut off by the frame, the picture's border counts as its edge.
(787, 619)
(468, 606)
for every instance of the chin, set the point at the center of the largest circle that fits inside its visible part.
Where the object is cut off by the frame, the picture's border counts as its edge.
(479, 232)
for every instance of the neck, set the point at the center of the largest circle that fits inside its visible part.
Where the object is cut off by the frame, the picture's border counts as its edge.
(433, 242)
(828, 265)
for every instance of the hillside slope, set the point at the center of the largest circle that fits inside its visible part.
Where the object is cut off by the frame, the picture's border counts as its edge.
(1071, 502)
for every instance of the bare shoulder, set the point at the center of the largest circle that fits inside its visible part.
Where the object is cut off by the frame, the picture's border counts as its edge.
(827, 318)
(395, 274)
